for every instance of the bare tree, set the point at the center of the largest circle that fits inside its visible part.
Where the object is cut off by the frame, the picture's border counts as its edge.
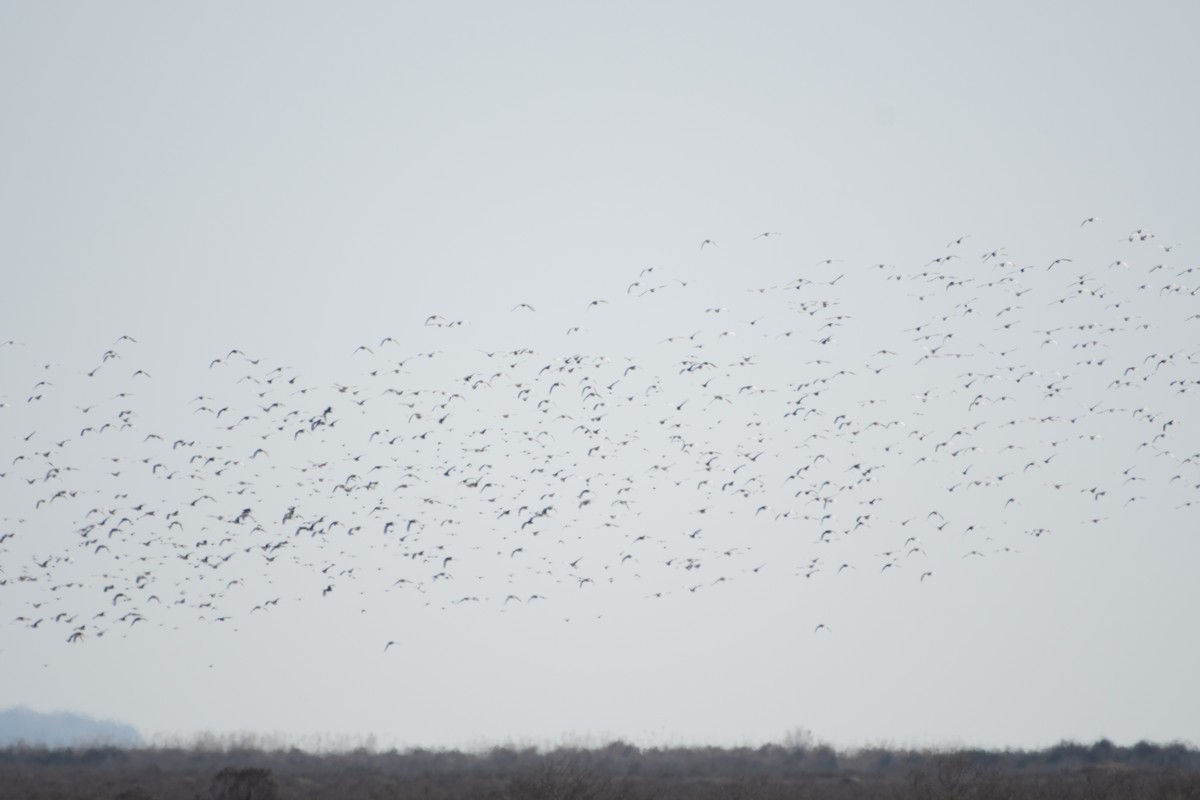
(248, 783)
(561, 777)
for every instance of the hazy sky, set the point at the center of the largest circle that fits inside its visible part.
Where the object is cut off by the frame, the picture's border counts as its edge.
(624, 518)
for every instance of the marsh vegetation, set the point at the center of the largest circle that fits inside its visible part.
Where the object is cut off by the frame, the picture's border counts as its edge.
(618, 771)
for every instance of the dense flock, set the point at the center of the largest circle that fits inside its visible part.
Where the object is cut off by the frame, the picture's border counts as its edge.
(698, 427)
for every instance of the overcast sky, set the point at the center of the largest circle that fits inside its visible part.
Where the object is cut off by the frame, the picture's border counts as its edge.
(538, 403)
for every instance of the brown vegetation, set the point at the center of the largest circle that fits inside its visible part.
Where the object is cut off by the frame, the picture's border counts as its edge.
(619, 771)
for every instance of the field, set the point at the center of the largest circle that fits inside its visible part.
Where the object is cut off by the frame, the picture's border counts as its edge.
(1100, 771)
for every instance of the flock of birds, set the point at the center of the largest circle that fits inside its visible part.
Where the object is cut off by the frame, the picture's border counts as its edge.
(682, 434)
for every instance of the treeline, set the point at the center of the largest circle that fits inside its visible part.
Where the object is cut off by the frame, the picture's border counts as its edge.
(618, 771)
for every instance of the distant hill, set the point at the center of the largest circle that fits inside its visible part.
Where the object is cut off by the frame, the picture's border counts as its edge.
(62, 729)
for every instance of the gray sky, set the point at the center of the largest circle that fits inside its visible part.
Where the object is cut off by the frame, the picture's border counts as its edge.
(997, 448)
